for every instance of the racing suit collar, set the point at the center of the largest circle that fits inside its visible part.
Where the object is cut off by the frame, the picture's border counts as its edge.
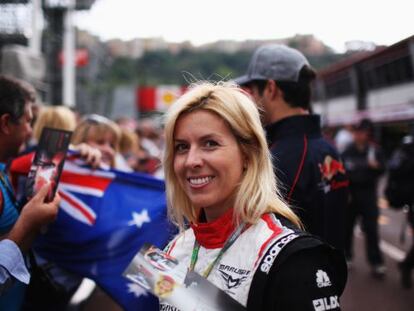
(215, 233)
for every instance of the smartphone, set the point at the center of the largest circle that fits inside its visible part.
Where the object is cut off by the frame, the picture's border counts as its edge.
(48, 162)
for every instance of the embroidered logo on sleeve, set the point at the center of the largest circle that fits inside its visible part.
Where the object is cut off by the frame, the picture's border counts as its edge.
(271, 254)
(322, 279)
(327, 303)
(330, 170)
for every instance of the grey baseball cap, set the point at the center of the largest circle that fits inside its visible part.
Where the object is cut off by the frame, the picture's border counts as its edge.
(274, 62)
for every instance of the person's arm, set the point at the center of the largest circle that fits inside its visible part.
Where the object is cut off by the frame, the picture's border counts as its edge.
(34, 215)
(376, 159)
(310, 279)
(12, 265)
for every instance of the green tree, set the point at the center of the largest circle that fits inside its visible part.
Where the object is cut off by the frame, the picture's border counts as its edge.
(163, 67)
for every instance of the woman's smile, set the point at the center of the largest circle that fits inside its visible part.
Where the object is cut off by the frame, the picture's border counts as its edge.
(208, 161)
(199, 182)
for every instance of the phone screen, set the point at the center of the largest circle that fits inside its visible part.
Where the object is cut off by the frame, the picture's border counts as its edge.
(48, 162)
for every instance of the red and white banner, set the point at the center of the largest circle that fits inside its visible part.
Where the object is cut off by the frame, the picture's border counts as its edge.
(81, 58)
(157, 98)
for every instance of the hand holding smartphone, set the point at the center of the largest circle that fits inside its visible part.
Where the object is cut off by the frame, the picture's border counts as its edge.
(48, 162)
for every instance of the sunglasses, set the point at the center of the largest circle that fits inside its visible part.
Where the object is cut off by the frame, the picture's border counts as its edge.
(96, 119)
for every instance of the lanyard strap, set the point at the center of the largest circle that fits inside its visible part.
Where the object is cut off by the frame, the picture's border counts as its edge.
(196, 248)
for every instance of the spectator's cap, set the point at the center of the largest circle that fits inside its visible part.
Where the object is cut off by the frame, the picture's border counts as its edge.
(274, 62)
(365, 125)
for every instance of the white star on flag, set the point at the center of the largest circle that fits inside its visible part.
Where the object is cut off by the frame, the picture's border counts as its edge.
(138, 219)
(136, 290)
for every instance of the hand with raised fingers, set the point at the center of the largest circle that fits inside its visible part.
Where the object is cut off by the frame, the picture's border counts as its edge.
(34, 215)
(91, 155)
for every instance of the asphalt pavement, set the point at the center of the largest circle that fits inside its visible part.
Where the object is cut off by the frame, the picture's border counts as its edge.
(365, 292)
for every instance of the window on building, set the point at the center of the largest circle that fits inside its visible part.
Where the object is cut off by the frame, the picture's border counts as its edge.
(388, 70)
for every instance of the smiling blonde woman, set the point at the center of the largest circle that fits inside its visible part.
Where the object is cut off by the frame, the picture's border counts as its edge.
(241, 235)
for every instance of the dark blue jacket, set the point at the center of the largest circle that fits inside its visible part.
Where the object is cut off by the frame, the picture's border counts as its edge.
(311, 175)
(362, 177)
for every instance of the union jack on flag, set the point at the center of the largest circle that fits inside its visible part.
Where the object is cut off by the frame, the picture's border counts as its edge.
(82, 180)
(105, 218)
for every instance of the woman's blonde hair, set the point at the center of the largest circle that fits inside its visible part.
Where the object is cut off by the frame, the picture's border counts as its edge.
(59, 117)
(257, 193)
(129, 142)
(94, 127)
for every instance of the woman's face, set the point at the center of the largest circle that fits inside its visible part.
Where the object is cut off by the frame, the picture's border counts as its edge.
(106, 143)
(208, 161)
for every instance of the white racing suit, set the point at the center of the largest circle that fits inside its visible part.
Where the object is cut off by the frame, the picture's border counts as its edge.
(271, 266)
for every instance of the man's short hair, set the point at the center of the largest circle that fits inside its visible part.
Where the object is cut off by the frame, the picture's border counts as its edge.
(295, 94)
(14, 95)
(288, 67)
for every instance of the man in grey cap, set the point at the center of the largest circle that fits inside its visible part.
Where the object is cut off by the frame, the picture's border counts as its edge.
(312, 176)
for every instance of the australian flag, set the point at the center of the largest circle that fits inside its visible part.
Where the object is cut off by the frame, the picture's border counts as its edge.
(104, 219)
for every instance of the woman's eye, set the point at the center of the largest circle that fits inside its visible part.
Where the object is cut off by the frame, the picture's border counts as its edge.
(180, 147)
(211, 143)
